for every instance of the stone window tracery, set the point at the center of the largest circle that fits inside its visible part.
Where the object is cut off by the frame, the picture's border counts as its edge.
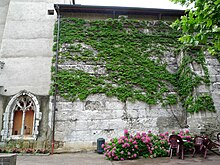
(21, 117)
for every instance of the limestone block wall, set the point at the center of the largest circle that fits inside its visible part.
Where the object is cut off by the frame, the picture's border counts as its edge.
(79, 124)
(208, 122)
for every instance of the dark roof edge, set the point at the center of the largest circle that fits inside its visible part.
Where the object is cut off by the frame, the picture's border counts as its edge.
(62, 8)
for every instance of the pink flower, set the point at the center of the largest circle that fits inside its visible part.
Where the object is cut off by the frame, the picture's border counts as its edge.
(187, 131)
(137, 137)
(103, 145)
(147, 139)
(144, 134)
(122, 159)
(149, 131)
(122, 152)
(136, 146)
(126, 132)
(122, 137)
(116, 158)
(129, 153)
(188, 137)
(166, 133)
(161, 135)
(135, 155)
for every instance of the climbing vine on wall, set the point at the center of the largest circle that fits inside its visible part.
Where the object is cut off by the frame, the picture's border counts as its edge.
(123, 58)
(189, 80)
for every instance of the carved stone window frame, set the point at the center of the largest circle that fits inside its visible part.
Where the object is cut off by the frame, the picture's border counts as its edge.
(9, 117)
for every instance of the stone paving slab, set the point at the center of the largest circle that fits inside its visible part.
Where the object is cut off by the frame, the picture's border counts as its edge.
(92, 158)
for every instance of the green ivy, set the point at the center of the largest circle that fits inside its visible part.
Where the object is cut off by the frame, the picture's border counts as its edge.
(202, 103)
(130, 52)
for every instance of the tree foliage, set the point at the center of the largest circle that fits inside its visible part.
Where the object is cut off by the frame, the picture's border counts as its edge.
(201, 24)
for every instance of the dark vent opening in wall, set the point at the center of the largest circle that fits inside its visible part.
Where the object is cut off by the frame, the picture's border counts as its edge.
(50, 12)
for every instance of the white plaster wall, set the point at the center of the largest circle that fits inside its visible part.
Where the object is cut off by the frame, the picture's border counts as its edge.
(3, 14)
(26, 47)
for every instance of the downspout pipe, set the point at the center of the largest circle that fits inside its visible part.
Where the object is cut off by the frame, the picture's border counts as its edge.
(55, 79)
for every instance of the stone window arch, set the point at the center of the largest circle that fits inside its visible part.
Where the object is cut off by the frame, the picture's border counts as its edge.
(21, 117)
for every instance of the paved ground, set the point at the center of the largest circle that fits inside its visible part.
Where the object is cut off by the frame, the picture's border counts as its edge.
(92, 158)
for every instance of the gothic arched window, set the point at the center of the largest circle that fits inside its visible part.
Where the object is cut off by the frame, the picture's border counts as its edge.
(21, 117)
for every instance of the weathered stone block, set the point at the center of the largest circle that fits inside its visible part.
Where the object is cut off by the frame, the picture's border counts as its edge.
(65, 115)
(114, 105)
(67, 105)
(216, 86)
(136, 105)
(169, 122)
(212, 70)
(212, 61)
(78, 105)
(214, 78)
(96, 97)
(150, 122)
(217, 78)
(202, 89)
(94, 105)
(98, 124)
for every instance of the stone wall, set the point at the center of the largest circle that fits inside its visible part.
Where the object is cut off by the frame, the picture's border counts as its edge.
(207, 122)
(79, 124)
(44, 136)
